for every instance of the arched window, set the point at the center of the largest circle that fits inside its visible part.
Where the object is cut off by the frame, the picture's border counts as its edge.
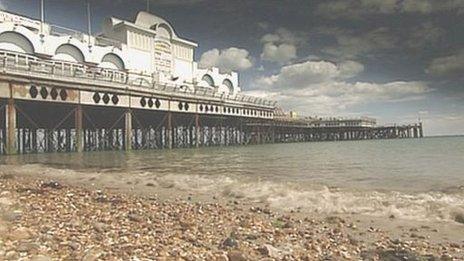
(112, 61)
(164, 31)
(69, 53)
(208, 80)
(12, 41)
(227, 83)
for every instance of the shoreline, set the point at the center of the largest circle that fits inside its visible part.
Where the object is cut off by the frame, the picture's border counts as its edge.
(60, 220)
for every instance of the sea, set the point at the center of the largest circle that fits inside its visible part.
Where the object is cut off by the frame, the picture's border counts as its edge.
(418, 179)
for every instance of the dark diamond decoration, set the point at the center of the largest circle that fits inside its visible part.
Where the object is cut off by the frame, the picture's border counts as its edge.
(106, 98)
(143, 102)
(33, 91)
(206, 108)
(157, 103)
(181, 106)
(54, 93)
(115, 99)
(186, 106)
(63, 94)
(201, 107)
(44, 92)
(150, 103)
(96, 97)
(217, 109)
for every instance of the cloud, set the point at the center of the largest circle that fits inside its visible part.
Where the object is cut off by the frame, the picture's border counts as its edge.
(231, 59)
(351, 44)
(318, 87)
(278, 53)
(281, 46)
(177, 2)
(447, 65)
(300, 75)
(426, 34)
(359, 8)
(283, 35)
(349, 69)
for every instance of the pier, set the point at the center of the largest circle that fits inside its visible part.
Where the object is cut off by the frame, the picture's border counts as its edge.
(71, 92)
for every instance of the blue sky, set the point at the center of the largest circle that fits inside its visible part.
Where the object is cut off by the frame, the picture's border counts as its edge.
(395, 60)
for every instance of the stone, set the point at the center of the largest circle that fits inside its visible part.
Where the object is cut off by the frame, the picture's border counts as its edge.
(270, 251)
(459, 217)
(135, 218)
(236, 255)
(12, 255)
(221, 257)
(229, 242)
(100, 227)
(21, 233)
(6, 201)
(92, 255)
(52, 184)
(41, 258)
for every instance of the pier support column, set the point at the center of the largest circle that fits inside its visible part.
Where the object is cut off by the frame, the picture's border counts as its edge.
(197, 130)
(79, 130)
(273, 140)
(421, 133)
(11, 123)
(169, 132)
(128, 130)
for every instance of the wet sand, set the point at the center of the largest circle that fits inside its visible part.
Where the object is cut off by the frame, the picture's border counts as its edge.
(54, 217)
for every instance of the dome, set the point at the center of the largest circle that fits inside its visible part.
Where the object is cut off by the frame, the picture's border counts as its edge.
(151, 21)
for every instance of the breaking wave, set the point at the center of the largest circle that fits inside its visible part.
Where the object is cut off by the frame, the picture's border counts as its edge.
(311, 198)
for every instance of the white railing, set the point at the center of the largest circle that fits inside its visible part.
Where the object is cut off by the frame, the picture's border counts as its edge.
(63, 31)
(24, 62)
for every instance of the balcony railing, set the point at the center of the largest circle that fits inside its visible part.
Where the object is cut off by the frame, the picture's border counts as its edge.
(76, 71)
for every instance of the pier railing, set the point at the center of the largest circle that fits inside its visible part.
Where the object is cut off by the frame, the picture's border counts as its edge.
(28, 65)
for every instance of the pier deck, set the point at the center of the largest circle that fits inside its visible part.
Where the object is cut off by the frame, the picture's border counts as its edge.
(61, 107)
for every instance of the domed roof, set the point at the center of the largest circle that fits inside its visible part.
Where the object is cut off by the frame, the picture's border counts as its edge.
(151, 21)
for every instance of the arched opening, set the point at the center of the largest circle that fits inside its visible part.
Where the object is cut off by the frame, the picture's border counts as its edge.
(229, 85)
(162, 30)
(12, 41)
(207, 80)
(69, 53)
(112, 61)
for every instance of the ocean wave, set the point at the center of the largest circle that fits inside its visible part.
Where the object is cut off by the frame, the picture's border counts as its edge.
(311, 198)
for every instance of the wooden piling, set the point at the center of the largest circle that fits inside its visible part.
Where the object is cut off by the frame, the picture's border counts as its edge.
(128, 130)
(11, 124)
(78, 127)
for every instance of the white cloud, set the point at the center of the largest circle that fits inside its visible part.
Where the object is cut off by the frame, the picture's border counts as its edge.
(278, 53)
(349, 69)
(281, 46)
(447, 65)
(231, 59)
(317, 87)
(301, 75)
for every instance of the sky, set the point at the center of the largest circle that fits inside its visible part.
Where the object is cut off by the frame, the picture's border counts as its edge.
(396, 60)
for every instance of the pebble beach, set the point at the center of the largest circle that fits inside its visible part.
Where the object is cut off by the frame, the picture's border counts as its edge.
(47, 220)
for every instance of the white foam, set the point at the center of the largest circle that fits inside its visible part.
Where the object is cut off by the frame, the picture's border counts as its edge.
(279, 195)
